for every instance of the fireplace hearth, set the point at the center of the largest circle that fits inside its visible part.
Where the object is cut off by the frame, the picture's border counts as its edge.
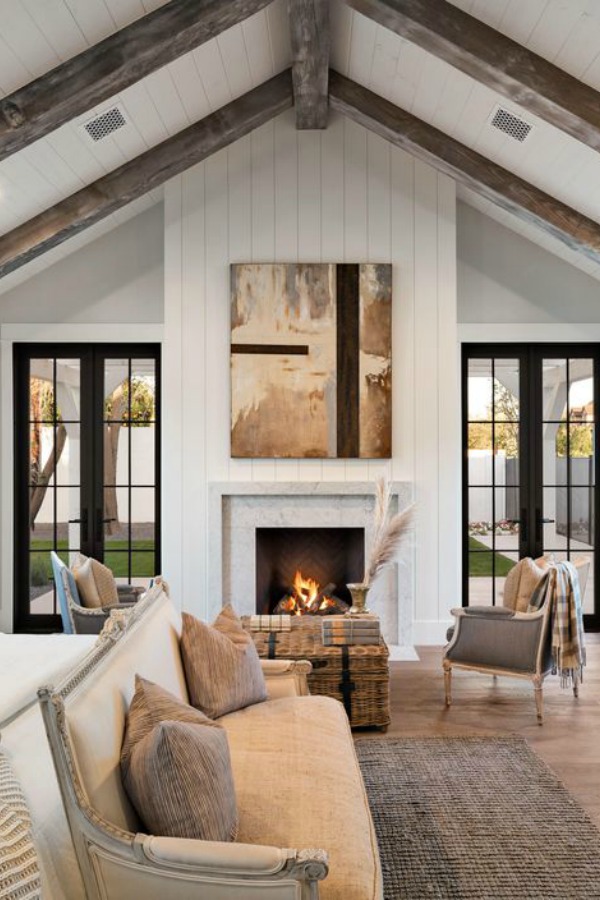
(327, 557)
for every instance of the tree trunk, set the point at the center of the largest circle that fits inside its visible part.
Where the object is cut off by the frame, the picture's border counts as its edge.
(38, 492)
(111, 448)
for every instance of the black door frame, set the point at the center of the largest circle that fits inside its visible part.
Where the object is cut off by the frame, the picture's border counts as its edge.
(92, 356)
(530, 448)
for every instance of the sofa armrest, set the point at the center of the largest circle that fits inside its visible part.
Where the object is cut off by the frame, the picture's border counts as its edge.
(273, 868)
(231, 857)
(129, 592)
(286, 677)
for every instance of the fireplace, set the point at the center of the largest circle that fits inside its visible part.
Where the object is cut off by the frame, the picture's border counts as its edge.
(332, 557)
(237, 510)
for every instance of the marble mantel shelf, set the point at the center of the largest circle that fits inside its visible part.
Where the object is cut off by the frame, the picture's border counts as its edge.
(302, 488)
(237, 508)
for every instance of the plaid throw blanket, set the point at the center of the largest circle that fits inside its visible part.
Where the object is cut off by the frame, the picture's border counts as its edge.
(568, 643)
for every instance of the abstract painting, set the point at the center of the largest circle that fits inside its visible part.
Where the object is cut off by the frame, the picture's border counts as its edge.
(311, 360)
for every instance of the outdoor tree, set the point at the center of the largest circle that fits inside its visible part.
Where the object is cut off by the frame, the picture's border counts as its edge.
(121, 413)
(42, 413)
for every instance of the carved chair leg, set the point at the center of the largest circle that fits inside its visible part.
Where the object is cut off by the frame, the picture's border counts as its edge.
(539, 699)
(448, 682)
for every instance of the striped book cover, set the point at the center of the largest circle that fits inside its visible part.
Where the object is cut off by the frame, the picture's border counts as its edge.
(271, 623)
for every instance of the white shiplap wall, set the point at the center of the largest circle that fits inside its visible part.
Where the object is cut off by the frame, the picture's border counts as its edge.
(338, 195)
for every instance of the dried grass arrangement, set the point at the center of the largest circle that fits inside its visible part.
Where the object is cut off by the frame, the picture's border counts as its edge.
(388, 533)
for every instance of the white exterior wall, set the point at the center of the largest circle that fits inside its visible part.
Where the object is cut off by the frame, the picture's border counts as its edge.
(342, 195)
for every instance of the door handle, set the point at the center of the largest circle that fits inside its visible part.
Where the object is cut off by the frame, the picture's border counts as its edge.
(100, 521)
(524, 524)
(83, 521)
(548, 521)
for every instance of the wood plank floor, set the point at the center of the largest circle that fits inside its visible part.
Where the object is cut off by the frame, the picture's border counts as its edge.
(568, 741)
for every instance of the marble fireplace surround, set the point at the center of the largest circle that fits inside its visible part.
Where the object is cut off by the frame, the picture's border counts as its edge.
(237, 509)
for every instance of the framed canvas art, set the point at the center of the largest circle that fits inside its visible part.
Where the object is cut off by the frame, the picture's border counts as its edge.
(311, 360)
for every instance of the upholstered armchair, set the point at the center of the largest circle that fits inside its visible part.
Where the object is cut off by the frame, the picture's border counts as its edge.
(76, 618)
(499, 640)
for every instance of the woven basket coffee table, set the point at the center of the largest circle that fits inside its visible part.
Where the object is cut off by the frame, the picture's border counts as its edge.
(358, 675)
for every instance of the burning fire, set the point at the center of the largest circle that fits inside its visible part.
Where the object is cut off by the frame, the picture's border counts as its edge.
(307, 597)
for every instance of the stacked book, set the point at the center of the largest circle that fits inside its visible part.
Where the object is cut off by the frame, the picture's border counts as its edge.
(271, 623)
(344, 630)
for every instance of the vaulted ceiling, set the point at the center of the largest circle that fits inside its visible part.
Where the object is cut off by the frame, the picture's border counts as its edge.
(38, 35)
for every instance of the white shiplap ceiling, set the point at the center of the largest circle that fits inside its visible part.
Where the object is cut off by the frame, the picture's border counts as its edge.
(36, 35)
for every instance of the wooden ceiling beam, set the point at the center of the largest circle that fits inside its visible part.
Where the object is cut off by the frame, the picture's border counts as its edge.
(466, 166)
(145, 172)
(109, 67)
(493, 59)
(311, 39)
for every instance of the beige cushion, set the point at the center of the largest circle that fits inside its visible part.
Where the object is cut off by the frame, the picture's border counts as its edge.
(105, 583)
(521, 581)
(532, 572)
(86, 583)
(151, 705)
(298, 784)
(95, 582)
(222, 667)
(180, 782)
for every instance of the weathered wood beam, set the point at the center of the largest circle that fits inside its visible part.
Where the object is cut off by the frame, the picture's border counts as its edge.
(493, 59)
(112, 65)
(465, 165)
(145, 172)
(310, 36)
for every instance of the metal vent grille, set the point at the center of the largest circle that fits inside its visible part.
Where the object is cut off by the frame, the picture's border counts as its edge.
(504, 121)
(105, 123)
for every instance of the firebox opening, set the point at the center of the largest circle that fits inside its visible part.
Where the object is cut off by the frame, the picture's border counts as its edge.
(329, 556)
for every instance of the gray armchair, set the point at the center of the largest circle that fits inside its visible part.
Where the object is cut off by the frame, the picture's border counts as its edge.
(499, 641)
(76, 618)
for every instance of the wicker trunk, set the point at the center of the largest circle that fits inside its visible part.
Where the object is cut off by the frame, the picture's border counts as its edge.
(358, 675)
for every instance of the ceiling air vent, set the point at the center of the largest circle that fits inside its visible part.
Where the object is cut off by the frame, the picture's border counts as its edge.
(505, 121)
(101, 126)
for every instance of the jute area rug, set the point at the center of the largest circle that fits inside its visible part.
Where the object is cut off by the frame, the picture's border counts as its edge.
(476, 819)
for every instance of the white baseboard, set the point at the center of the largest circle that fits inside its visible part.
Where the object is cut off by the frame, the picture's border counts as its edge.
(430, 632)
(403, 653)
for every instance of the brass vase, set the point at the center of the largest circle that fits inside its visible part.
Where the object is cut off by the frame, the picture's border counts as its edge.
(358, 593)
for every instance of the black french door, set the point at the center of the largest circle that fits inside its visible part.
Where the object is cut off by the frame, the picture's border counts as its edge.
(530, 466)
(87, 466)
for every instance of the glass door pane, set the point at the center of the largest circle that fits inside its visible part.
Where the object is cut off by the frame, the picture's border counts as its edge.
(567, 519)
(54, 502)
(493, 475)
(129, 479)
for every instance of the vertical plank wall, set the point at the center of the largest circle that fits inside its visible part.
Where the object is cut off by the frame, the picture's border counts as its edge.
(342, 195)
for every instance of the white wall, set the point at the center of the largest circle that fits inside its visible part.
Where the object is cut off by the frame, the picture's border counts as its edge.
(341, 195)
(505, 279)
(117, 278)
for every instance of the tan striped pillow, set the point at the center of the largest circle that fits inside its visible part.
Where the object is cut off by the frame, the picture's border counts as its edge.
(180, 782)
(105, 584)
(151, 705)
(223, 672)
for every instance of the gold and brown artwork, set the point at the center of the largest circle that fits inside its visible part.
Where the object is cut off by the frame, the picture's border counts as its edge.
(311, 367)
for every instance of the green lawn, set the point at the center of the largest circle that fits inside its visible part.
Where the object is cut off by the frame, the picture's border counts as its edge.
(142, 563)
(480, 564)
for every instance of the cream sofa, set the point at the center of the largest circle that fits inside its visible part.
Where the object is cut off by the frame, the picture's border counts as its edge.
(297, 781)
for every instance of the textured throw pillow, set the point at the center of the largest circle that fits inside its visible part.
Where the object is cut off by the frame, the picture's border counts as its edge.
(95, 582)
(105, 583)
(86, 583)
(19, 872)
(180, 782)
(532, 572)
(222, 667)
(151, 705)
(511, 587)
